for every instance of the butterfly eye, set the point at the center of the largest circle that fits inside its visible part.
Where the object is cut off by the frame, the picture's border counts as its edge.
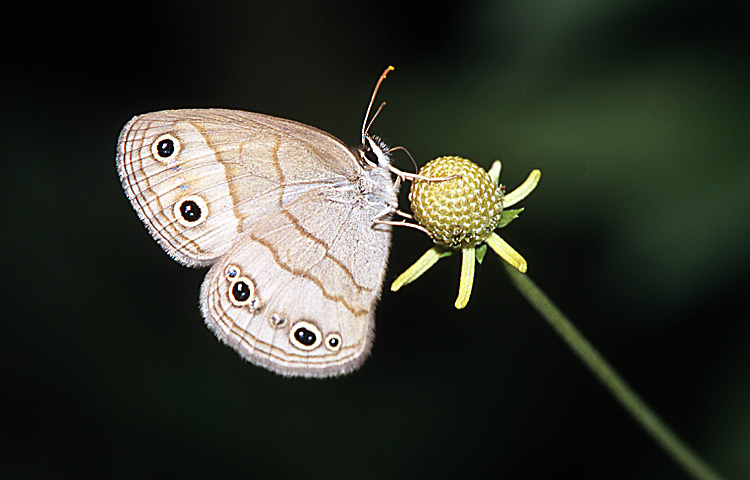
(371, 156)
(191, 211)
(374, 151)
(333, 342)
(166, 147)
(305, 336)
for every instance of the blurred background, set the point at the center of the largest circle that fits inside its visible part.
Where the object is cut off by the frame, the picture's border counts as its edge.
(638, 115)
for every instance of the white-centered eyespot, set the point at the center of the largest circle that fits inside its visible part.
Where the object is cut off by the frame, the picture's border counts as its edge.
(333, 342)
(305, 336)
(242, 292)
(191, 211)
(165, 148)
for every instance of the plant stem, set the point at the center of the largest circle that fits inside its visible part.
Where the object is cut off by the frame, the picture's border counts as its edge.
(642, 413)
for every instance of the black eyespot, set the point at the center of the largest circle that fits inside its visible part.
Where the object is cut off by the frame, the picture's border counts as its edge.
(333, 342)
(305, 336)
(241, 291)
(190, 211)
(165, 148)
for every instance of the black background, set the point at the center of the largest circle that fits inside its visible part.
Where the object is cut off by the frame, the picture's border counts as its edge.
(638, 115)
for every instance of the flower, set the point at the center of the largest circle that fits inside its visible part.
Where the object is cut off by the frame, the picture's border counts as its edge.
(459, 206)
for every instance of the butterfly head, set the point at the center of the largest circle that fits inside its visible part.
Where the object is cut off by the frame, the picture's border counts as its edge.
(375, 152)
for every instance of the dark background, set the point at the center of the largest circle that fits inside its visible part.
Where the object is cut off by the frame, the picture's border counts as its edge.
(638, 115)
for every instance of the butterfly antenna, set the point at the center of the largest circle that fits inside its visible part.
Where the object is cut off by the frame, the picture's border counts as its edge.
(374, 116)
(366, 124)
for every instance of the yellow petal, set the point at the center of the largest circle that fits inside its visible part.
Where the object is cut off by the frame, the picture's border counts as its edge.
(523, 190)
(506, 252)
(468, 260)
(419, 267)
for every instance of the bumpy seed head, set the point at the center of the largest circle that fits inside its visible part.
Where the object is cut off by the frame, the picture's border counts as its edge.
(460, 212)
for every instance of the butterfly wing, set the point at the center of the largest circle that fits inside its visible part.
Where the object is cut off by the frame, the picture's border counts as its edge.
(285, 212)
(311, 310)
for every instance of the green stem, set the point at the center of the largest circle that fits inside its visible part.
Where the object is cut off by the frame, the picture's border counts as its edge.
(668, 440)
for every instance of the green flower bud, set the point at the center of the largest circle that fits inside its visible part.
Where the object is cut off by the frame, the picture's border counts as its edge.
(459, 212)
